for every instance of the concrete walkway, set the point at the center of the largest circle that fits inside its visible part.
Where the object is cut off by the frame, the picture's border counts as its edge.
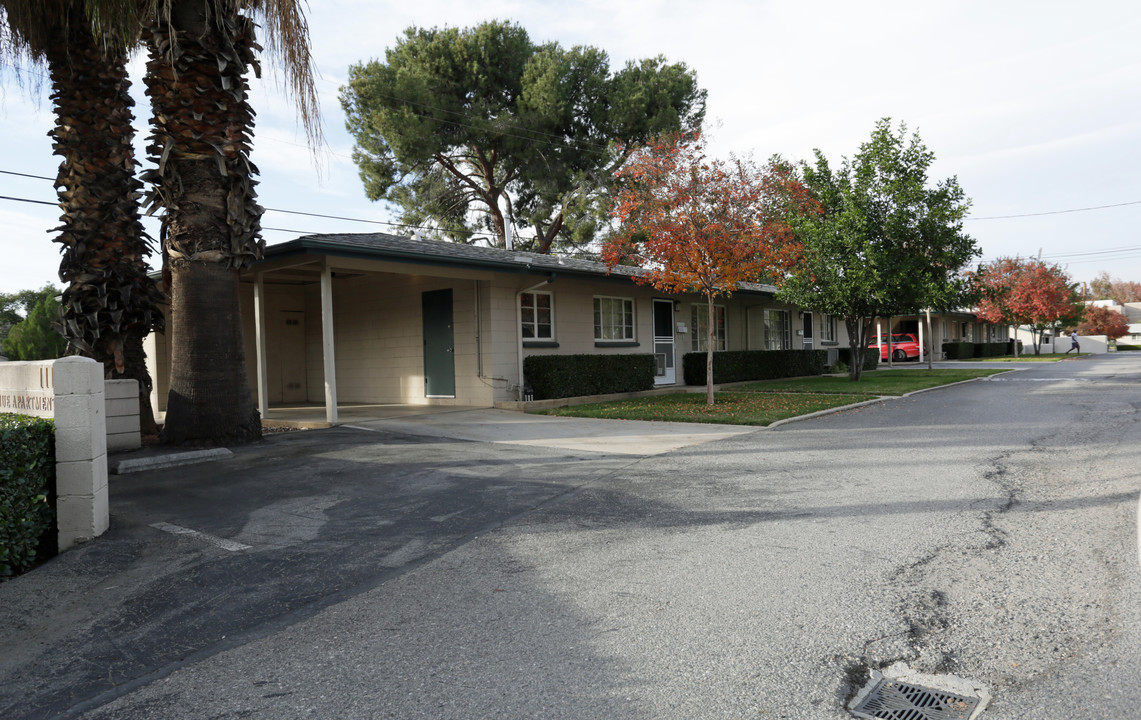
(623, 437)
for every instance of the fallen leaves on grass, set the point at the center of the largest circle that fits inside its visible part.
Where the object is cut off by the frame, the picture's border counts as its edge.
(730, 408)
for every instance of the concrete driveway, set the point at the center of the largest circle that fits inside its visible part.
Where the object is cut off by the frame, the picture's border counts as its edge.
(205, 557)
(623, 437)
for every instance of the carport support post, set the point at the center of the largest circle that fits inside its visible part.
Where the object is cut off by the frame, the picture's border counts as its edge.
(259, 335)
(930, 347)
(327, 344)
(922, 347)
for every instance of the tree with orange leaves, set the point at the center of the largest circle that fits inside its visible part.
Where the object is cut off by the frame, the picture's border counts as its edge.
(1026, 292)
(1103, 321)
(696, 224)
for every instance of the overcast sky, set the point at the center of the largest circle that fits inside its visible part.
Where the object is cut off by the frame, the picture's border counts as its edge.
(1034, 106)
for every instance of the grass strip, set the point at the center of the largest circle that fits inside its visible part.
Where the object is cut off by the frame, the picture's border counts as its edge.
(878, 382)
(1044, 357)
(729, 408)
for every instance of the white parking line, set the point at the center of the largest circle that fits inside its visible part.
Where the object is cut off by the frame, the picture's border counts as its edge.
(216, 541)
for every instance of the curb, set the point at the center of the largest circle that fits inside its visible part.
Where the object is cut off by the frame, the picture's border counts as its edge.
(156, 462)
(886, 398)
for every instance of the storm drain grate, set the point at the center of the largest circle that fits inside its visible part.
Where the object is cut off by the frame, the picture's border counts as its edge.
(895, 698)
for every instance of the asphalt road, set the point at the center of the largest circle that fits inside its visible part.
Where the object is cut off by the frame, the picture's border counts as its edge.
(986, 530)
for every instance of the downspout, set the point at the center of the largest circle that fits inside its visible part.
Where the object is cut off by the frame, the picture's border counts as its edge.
(478, 334)
(519, 325)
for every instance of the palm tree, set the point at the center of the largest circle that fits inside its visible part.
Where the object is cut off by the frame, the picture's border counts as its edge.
(199, 53)
(109, 304)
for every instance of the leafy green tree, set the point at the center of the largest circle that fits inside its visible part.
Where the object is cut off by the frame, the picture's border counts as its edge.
(14, 307)
(887, 242)
(477, 128)
(37, 336)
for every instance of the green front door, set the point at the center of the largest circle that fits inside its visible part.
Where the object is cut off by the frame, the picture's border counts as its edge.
(439, 346)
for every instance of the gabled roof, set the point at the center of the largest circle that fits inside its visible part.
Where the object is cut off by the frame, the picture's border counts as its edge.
(382, 246)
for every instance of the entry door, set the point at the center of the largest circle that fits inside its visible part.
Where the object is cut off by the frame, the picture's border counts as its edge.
(439, 345)
(664, 342)
(291, 354)
(808, 342)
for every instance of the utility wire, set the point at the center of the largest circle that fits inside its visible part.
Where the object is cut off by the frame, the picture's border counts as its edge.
(471, 233)
(1055, 212)
(16, 199)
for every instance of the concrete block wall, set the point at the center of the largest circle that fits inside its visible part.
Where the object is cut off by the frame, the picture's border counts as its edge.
(80, 450)
(378, 335)
(121, 401)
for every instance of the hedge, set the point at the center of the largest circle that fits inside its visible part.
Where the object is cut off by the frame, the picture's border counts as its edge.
(958, 350)
(871, 357)
(994, 349)
(965, 350)
(737, 365)
(27, 489)
(559, 376)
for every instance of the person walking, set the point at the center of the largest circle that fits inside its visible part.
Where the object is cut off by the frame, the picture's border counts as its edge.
(1074, 343)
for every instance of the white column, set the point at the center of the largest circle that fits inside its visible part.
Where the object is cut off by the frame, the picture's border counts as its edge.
(922, 347)
(81, 504)
(259, 335)
(327, 345)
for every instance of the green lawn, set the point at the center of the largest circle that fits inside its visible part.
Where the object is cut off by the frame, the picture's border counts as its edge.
(763, 403)
(877, 382)
(730, 408)
(1029, 357)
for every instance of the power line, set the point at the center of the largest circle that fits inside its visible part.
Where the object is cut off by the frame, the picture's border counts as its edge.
(1055, 212)
(405, 226)
(473, 232)
(26, 200)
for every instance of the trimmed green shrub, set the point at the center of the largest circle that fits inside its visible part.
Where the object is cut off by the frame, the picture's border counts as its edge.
(1010, 347)
(871, 357)
(958, 350)
(27, 487)
(560, 376)
(996, 349)
(737, 365)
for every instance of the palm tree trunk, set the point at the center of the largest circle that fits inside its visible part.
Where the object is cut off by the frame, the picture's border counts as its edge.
(199, 53)
(206, 394)
(109, 304)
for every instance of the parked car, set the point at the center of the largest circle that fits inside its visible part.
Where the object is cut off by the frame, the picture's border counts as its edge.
(904, 346)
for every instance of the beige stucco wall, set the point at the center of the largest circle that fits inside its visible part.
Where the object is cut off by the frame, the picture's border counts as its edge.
(378, 329)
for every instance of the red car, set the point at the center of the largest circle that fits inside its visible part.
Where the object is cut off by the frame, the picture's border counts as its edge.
(903, 347)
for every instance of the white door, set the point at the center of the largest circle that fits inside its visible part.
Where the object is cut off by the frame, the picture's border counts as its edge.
(664, 342)
(291, 359)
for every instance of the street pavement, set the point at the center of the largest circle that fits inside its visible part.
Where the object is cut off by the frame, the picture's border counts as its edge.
(986, 530)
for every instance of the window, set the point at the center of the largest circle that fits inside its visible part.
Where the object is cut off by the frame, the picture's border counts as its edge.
(778, 332)
(613, 318)
(700, 316)
(538, 316)
(828, 329)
